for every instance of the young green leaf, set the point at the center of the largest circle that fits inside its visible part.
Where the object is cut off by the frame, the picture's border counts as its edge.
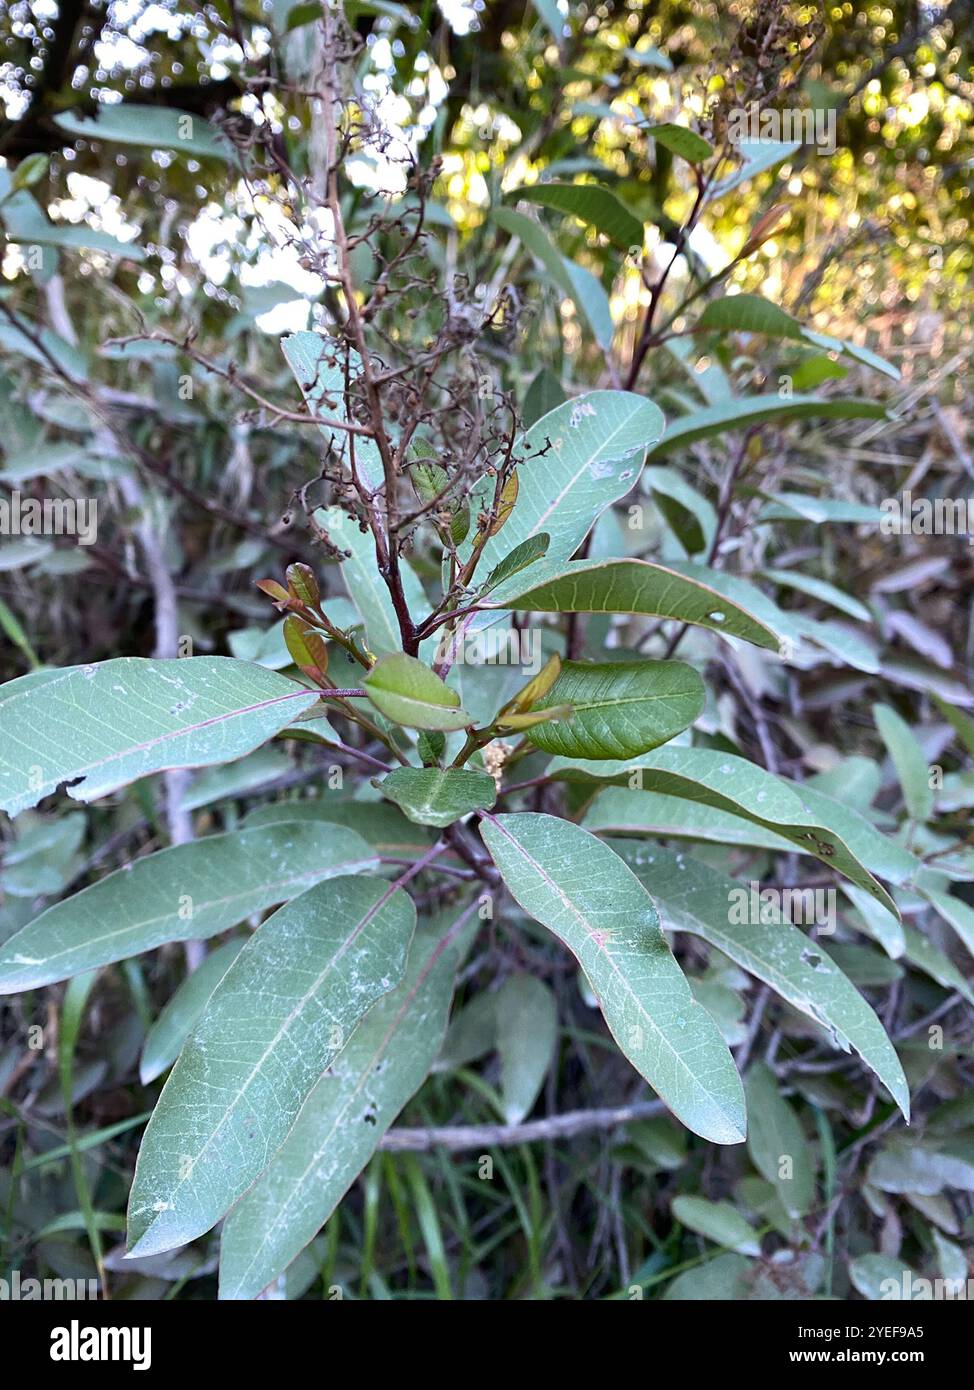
(186, 892)
(101, 727)
(619, 709)
(307, 648)
(438, 796)
(409, 693)
(277, 1019)
(534, 548)
(583, 892)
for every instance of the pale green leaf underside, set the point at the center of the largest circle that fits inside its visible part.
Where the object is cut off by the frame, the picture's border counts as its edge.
(577, 460)
(320, 369)
(101, 727)
(153, 127)
(695, 898)
(186, 892)
(577, 887)
(181, 1014)
(275, 1022)
(339, 1127)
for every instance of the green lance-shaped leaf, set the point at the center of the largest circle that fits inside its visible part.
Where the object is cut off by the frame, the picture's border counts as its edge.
(165, 1038)
(909, 761)
(339, 1128)
(277, 1019)
(754, 410)
(749, 313)
(686, 511)
(409, 693)
(719, 1222)
(776, 1143)
(101, 727)
(821, 590)
(577, 887)
(632, 586)
(543, 395)
(812, 821)
(186, 892)
(574, 280)
(438, 796)
(619, 709)
(534, 548)
(620, 810)
(693, 897)
(677, 138)
(577, 460)
(962, 723)
(527, 1032)
(591, 203)
(154, 127)
(956, 912)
